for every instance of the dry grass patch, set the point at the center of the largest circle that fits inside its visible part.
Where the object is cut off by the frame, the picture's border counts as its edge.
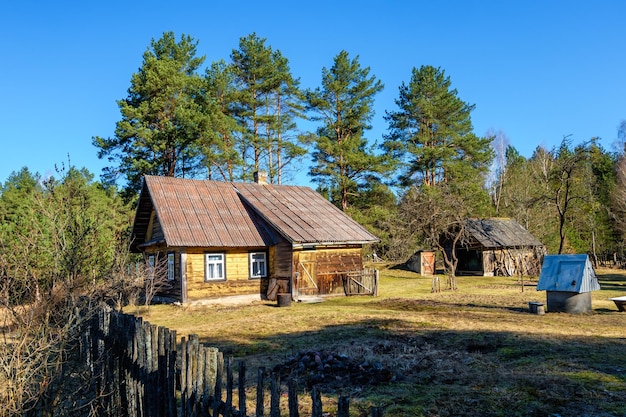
(475, 351)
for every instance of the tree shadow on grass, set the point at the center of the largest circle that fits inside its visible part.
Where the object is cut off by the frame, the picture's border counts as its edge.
(460, 372)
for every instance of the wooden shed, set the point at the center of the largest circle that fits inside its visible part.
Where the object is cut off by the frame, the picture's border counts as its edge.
(568, 281)
(422, 262)
(220, 238)
(498, 247)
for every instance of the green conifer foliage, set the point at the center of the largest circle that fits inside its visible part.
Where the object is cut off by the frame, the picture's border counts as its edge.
(343, 161)
(431, 132)
(162, 117)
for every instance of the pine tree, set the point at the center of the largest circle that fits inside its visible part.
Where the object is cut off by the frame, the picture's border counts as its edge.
(267, 105)
(162, 119)
(343, 160)
(220, 152)
(431, 132)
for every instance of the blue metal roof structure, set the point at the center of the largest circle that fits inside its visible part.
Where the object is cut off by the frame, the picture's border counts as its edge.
(570, 273)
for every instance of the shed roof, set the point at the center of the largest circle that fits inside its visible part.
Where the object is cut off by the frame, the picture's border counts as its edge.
(569, 273)
(204, 213)
(500, 233)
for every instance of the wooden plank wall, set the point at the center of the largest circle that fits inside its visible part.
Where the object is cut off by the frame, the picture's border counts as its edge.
(280, 277)
(511, 262)
(168, 289)
(133, 365)
(331, 264)
(138, 371)
(155, 232)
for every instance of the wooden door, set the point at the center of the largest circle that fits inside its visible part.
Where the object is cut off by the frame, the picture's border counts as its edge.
(428, 263)
(306, 278)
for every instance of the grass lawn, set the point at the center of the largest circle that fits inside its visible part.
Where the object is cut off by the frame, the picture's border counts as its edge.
(475, 351)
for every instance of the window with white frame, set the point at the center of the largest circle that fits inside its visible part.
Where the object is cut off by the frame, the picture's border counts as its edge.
(170, 266)
(214, 267)
(151, 266)
(258, 265)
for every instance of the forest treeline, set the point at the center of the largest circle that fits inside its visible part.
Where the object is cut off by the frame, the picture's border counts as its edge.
(64, 238)
(227, 120)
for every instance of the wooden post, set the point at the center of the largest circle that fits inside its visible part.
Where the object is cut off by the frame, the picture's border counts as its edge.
(209, 380)
(292, 397)
(191, 374)
(128, 402)
(183, 277)
(161, 378)
(229, 386)
(171, 372)
(147, 372)
(436, 284)
(260, 393)
(316, 397)
(217, 399)
(184, 394)
(343, 406)
(199, 382)
(376, 280)
(242, 388)
(275, 396)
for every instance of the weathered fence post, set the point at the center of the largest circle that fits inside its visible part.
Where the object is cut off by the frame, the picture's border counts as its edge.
(376, 281)
(275, 396)
(242, 388)
(343, 406)
(260, 393)
(199, 382)
(171, 372)
(183, 376)
(217, 397)
(316, 407)
(229, 386)
(209, 379)
(292, 397)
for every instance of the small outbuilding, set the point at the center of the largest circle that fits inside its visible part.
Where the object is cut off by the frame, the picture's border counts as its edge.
(422, 262)
(568, 281)
(497, 247)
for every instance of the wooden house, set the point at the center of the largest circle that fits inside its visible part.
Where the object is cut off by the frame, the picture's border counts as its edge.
(220, 238)
(498, 247)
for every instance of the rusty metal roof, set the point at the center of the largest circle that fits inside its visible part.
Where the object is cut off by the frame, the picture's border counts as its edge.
(500, 233)
(302, 215)
(203, 213)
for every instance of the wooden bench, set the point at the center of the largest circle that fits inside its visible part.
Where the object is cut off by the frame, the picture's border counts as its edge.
(620, 302)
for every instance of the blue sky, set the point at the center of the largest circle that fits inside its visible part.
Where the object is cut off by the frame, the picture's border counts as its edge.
(536, 70)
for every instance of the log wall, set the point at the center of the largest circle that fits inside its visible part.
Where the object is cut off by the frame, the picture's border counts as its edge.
(237, 281)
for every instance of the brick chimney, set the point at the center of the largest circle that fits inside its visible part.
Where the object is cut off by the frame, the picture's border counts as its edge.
(260, 177)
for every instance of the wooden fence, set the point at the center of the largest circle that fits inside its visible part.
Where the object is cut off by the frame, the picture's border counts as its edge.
(139, 373)
(363, 282)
